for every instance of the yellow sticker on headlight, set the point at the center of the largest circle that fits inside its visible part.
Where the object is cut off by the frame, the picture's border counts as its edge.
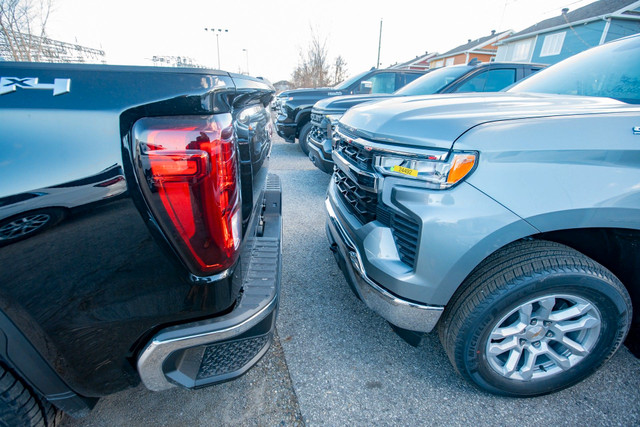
(405, 171)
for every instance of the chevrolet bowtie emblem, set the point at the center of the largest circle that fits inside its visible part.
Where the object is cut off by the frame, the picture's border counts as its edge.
(11, 84)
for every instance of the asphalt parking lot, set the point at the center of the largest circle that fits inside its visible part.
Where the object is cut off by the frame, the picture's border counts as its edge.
(335, 362)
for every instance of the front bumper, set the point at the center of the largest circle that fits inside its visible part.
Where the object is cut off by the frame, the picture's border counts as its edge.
(320, 153)
(287, 131)
(214, 350)
(397, 311)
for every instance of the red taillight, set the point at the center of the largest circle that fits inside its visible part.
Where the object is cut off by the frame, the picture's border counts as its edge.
(189, 172)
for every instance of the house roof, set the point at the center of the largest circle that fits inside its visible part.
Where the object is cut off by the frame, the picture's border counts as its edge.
(475, 45)
(590, 12)
(426, 56)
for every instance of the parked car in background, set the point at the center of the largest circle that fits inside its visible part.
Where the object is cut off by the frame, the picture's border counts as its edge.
(164, 263)
(509, 222)
(474, 77)
(293, 120)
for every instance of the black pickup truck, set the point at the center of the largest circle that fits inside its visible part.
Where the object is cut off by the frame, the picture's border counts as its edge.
(140, 232)
(294, 106)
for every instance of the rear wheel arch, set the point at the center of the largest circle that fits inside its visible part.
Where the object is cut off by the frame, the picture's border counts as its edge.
(302, 118)
(20, 356)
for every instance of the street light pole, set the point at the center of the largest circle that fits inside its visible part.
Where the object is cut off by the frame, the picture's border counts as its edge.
(218, 48)
(217, 31)
(379, 43)
(246, 51)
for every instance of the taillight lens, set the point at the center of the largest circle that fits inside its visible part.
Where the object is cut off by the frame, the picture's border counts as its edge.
(188, 168)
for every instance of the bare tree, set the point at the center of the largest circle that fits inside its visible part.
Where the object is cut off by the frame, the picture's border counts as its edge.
(22, 27)
(313, 66)
(314, 69)
(339, 69)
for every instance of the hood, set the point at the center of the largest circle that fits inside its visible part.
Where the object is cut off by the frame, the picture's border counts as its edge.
(340, 104)
(436, 121)
(303, 92)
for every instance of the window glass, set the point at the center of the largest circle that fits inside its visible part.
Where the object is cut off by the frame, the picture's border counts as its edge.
(449, 62)
(345, 84)
(611, 70)
(383, 83)
(408, 78)
(434, 81)
(552, 44)
(522, 50)
(499, 79)
(489, 81)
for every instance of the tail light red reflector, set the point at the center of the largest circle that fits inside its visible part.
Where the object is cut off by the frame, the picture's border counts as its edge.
(188, 166)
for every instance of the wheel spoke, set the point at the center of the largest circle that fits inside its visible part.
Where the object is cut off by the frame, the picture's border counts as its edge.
(546, 305)
(586, 322)
(497, 349)
(525, 313)
(561, 361)
(571, 312)
(511, 365)
(573, 346)
(500, 333)
(529, 364)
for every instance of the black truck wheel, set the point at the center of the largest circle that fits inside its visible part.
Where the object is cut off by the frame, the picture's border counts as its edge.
(19, 406)
(302, 139)
(534, 318)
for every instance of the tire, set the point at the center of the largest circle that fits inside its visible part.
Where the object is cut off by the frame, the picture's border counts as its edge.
(28, 224)
(19, 406)
(509, 329)
(302, 139)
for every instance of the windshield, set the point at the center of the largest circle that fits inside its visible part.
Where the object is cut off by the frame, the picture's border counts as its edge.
(345, 84)
(433, 81)
(611, 71)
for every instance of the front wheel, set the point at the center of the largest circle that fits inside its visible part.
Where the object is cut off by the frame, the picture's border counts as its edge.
(534, 318)
(302, 139)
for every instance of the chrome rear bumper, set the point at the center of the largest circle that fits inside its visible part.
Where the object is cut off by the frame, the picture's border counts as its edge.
(219, 349)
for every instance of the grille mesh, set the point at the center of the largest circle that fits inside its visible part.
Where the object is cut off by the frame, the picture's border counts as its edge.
(224, 358)
(361, 203)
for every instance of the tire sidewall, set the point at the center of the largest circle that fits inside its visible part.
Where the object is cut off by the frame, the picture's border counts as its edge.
(302, 139)
(598, 291)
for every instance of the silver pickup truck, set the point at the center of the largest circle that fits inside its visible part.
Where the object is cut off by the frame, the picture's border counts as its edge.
(508, 222)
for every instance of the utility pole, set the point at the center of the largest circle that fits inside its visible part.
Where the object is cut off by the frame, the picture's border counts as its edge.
(246, 51)
(217, 32)
(379, 43)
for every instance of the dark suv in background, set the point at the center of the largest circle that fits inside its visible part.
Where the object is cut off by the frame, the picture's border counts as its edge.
(473, 77)
(294, 106)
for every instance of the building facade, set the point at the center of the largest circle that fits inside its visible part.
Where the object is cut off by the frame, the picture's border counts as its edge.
(558, 38)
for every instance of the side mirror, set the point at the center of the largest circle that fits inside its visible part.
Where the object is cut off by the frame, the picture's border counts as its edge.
(365, 87)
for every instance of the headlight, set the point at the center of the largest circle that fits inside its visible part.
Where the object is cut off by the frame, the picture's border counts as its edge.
(332, 122)
(439, 171)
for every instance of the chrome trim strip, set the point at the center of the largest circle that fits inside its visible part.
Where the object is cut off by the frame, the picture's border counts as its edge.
(384, 148)
(211, 279)
(155, 353)
(405, 314)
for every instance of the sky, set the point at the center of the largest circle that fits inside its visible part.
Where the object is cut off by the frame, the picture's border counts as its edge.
(266, 37)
